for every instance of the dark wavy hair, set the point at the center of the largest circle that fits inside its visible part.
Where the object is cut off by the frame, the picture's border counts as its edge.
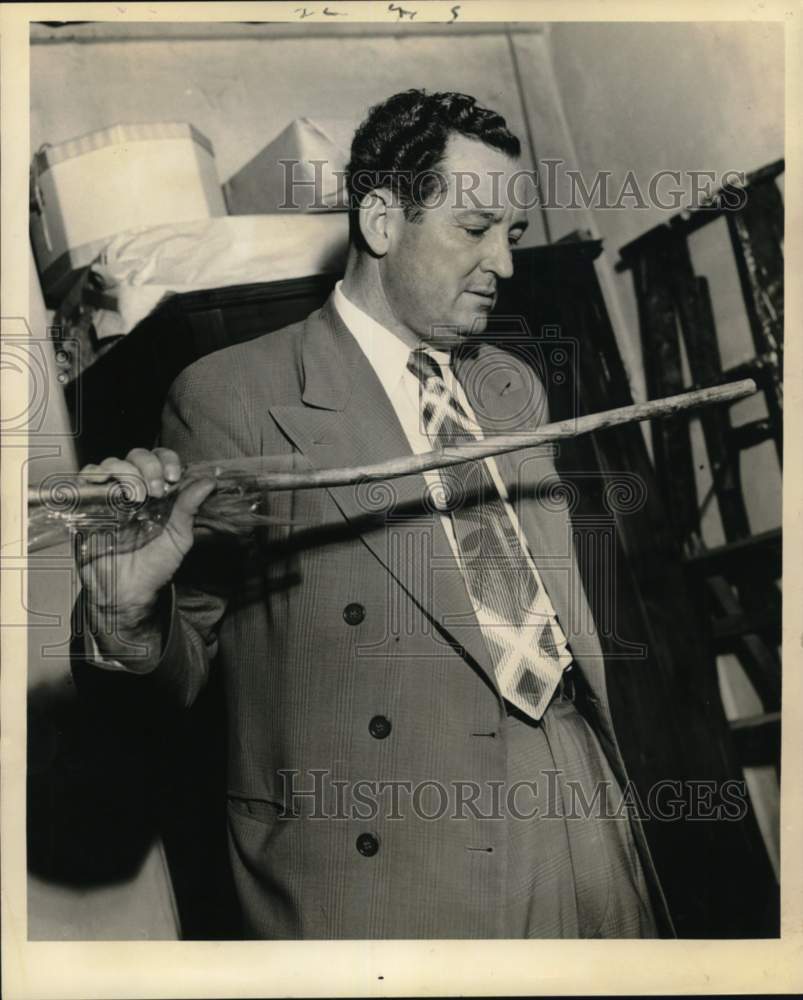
(401, 144)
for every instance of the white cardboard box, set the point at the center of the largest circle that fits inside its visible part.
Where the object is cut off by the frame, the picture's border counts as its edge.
(87, 190)
(301, 170)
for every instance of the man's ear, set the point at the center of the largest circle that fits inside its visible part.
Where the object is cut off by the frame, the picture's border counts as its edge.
(377, 213)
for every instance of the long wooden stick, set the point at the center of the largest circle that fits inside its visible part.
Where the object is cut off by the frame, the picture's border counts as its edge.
(256, 473)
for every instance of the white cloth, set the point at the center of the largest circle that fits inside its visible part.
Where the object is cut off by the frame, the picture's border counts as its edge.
(140, 267)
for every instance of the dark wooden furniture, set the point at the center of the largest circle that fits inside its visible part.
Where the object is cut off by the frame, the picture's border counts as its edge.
(116, 403)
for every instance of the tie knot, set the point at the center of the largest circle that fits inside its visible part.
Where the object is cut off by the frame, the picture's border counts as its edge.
(423, 365)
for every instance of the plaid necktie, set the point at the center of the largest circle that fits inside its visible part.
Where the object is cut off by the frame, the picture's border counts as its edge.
(526, 643)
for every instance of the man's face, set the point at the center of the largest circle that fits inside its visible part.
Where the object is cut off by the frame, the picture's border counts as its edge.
(441, 270)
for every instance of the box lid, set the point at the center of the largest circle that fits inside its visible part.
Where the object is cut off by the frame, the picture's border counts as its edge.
(49, 155)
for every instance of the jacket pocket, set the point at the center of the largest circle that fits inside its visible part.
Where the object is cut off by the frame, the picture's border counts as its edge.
(261, 810)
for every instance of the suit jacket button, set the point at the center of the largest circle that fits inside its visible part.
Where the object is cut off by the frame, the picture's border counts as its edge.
(353, 613)
(367, 845)
(379, 727)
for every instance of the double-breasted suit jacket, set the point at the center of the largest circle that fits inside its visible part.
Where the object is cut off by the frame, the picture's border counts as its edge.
(351, 660)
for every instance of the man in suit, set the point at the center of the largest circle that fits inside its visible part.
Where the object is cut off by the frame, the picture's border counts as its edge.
(419, 738)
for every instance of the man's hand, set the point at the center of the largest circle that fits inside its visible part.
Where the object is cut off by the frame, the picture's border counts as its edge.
(122, 589)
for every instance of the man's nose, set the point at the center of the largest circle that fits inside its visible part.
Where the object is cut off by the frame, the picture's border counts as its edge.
(499, 258)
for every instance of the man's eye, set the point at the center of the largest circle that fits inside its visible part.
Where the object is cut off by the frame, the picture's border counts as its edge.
(476, 233)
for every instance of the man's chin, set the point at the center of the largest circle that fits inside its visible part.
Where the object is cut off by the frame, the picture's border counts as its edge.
(456, 331)
(477, 324)
(472, 323)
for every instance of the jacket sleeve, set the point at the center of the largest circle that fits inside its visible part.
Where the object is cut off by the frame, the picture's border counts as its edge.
(203, 419)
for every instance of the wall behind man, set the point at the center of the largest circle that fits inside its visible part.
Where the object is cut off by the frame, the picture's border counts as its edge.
(243, 86)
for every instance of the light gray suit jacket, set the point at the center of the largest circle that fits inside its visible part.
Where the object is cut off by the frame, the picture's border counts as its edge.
(354, 614)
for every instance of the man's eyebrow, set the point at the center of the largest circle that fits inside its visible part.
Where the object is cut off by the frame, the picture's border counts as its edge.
(479, 213)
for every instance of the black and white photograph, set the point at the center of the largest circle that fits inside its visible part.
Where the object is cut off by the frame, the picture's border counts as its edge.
(394, 488)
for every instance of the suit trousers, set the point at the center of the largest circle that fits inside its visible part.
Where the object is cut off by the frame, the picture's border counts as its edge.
(573, 869)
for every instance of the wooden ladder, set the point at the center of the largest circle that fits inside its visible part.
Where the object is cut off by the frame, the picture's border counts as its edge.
(739, 580)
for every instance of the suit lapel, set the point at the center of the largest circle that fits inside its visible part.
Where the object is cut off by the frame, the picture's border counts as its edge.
(347, 420)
